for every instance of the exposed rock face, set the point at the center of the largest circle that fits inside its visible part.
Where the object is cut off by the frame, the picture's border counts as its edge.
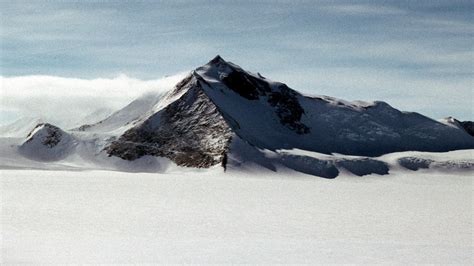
(417, 163)
(190, 131)
(468, 126)
(84, 127)
(245, 85)
(282, 98)
(288, 108)
(50, 135)
(47, 143)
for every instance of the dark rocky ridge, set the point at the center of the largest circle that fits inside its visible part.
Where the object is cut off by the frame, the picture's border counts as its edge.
(245, 85)
(283, 99)
(468, 126)
(288, 108)
(52, 137)
(191, 131)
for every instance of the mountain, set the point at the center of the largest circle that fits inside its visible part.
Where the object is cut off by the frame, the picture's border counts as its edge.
(222, 114)
(220, 101)
(47, 143)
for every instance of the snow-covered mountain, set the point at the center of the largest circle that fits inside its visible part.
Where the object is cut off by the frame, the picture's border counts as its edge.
(47, 143)
(221, 114)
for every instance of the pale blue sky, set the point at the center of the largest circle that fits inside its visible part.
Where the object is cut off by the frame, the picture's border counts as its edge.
(416, 55)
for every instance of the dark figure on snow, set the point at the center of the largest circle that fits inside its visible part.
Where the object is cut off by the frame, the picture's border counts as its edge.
(224, 161)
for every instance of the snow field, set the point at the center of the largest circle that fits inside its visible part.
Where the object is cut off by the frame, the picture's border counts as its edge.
(210, 217)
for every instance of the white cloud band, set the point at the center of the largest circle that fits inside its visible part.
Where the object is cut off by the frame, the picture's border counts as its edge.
(63, 100)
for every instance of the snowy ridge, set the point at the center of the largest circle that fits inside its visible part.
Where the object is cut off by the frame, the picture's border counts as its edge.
(324, 124)
(119, 120)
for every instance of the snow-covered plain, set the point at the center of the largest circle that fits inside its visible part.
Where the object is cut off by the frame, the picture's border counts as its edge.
(94, 216)
(299, 186)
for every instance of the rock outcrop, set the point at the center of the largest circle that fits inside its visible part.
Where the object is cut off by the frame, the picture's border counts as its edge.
(190, 131)
(47, 142)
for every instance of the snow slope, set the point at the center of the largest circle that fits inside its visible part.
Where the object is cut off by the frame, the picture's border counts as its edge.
(125, 116)
(111, 217)
(276, 117)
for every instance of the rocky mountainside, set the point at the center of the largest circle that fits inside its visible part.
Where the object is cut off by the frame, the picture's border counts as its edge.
(468, 126)
(190, 131)
(221, 111)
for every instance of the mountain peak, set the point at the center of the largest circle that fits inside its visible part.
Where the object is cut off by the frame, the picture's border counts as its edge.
(217, 59)
(219, 64)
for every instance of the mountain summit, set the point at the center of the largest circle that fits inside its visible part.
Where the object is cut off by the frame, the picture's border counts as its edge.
(221, 113)
(215, 103)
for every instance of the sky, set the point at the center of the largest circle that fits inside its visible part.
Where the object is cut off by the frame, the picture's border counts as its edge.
(415, 55)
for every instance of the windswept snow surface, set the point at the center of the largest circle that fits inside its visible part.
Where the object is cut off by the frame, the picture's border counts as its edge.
(210, 217)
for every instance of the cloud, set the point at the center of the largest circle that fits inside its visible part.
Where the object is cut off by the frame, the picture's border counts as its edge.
(325, 44)
(363, 9)
(65, 100)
